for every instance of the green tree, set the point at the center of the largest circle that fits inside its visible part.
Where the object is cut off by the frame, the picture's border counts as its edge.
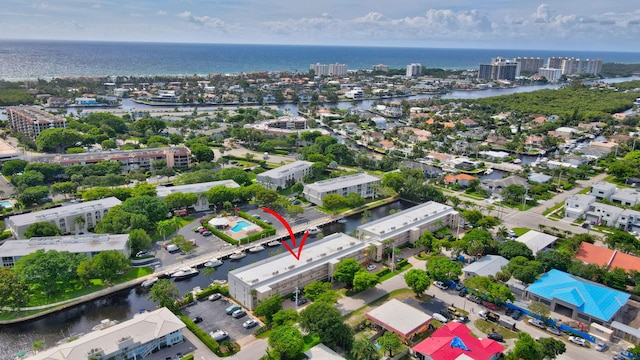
(486, 287)
(540, 309)
(108, 144)
(268, 307)
(152, 207)
(50, 171)
(238, 175)
(65, 187)
(12, 167)
(326, 321)
(57, 139)
(13, 291)
(41, 229)
(478, 242)
(180, 200)
(524, 269)
(268, 198)
(164, 292)
(346, 270)
(316, 288)
(29, 178)
(140, 240)
(107, 265)
(635, 350)
(33, 195)
(285, 317)
(364, 280)
(623, 241)
(551, 348)
(511, 248)
(472, 216)
(554, 259)
(185, 245)
(364, 349)
(78, 223)
(333, 202)
(441, 268)
(527, 349)
(286, 341)
(50, 270)
(389, 341)
(202, 152)
(393, 180)
(143, 189)
(418, 281)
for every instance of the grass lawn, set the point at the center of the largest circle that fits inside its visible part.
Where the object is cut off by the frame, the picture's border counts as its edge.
(520, 231)
(389, 275)
(10, 315)
(357, 316)
(181, 222)
(486, 327)
(554, 208)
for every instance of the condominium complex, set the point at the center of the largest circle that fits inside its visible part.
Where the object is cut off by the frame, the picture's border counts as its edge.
(329, 69)
(71, 218)
(31, 121)
(381, 67)
(570, 65)
(283, 274)
(198, 189)
(407, 225)
(362, 184)
(175, 157)
(499, 69)
(284, 176)
(86, 244)
(550, 74)
(413, 70)
(529, 64)
(137, 338)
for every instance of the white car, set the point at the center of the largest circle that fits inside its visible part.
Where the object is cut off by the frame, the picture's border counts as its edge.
(249, 324)
(602, 346)
(219, 335)
(440, 317)
(371, 267)
(578, 340)
(440, 285)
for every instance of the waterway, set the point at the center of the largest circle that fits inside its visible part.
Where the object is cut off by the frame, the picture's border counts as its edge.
(123, 305)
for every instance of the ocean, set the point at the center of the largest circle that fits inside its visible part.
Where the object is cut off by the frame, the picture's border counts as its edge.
(32, 59)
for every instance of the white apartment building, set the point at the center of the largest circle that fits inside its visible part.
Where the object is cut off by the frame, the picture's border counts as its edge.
(329, 69)
(529, 64)
(285, 176)
(362, 184)
(603, 214)
(137, 338)
(31, 121)
(629, 220)
(283, 274)
(603, 190)
(198, 189)
(571, 65)
(550, 74)
(413, 70)
(65, 216)
(381, 67)
(87, 244)
(408, 225)
(577, 205)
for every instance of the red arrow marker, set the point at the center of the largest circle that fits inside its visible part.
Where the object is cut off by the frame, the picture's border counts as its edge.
(291, 234)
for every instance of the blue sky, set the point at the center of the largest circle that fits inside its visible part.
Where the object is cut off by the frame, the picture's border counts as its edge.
(526, 24)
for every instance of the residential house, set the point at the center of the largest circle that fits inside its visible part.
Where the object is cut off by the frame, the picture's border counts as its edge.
(429, 171)
(629, 220)
(456, 341)
(459, 179)
(603, 214)
(537, 241)
(497, 185)
(607, 258)
(539, 178)
(626, 197)
(577, 205)
(469, 123)
(488, 265)
(494, 155)
(603, 190)
(400, 318)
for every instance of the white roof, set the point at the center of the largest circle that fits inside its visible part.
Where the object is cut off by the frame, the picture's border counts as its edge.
(143, 328)
(488, 265)
(536, 240)
(411, 217)
(285, 170)
(219, 221)
(397, 316)
(199, 188)
(75, 244)
(64, 211)
(322, 352)
(342, 182)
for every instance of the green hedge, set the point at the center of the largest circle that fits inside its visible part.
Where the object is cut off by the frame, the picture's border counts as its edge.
(382, 272)
(222, 289)
(203, 336)
(402, 263)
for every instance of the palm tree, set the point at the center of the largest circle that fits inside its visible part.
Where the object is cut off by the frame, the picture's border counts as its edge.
(163, 227)
(79, 222)
(364, 349)
(209, 271)
(502, 232)
(371, 252)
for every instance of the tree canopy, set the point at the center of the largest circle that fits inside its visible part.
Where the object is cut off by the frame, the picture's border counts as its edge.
(40, 229)
(57, 139)
(418, 281)
(346, 270)
(442, 268)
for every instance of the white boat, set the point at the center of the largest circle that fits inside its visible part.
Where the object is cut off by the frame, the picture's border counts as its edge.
(213, 262)
(342, 220)
(184, 273)
(106, 323)
(273, 243)
(517, 161)
(489, 171)
(237, 255)
(149, 283)
(313, 230)
(256, 249)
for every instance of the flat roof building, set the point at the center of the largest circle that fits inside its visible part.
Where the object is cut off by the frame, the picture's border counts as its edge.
(362, 184)
(400, 318)
(408, 225)
(283, 273)
(537, 241)
(88, 244)
(199, 188)
(31, 121)
(137, 338)
(488, 265)
(64, 216)
(284, 176)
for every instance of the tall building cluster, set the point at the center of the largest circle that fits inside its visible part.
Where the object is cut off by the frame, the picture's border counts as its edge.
(329, 69)
(499, 69)
(504, 69)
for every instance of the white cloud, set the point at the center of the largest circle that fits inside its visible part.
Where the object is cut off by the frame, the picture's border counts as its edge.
(161, 12)
(542, 14)
(204, 21)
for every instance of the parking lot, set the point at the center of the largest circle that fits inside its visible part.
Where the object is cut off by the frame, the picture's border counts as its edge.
(214, 317)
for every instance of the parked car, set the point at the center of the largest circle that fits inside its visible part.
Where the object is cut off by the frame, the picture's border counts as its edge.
(302, 301)
(516, 314)
(207, 233)
(459, 286)
(462, 319)
(214, 297)
(537, 323)
(620, 357)
(508, 312)
(198, 229)
(440, 285)
(473, 298)
(463, 292)
(238, 314)
(554, 330)
(231, 309)
(219, 335)
(453, 311)
(141, 253)
(446, 314)
(578, 341)
(495, 336)
(602, 346)
(201, 231)
(197, 320)
(371, 267)
(490, 305)
(398, 259)
(440, 317)
(249, 324)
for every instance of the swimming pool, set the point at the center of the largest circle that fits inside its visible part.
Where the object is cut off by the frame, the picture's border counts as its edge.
(240, 225)
(6, 204)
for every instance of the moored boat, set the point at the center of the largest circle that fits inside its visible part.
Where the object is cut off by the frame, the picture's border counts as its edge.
(256, 249)
(106, 323)
(184, 273)
(237, 255)
(489, 171)
(342, 220)
(213, 262)
(313, 230)
(273, 243)
(149, 283)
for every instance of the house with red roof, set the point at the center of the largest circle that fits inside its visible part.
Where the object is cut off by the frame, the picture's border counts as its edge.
(604, 257)
(460, 179)
(454, 341)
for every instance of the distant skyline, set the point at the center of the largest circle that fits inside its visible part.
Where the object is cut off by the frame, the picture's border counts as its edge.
(497, 24)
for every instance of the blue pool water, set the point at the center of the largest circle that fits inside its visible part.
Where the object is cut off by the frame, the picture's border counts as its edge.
(6, 204)
(240, 225)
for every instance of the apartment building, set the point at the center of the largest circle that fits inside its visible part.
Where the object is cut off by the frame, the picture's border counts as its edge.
(550, 74)
(499, 69)
(146, 333)
(329, 69)
(285, 176)
(198, 189)
(629, 220)
(529, 64)
(175, 157)
(86, 244)
(408, 225)
(283, 274)
(31, 121)
(64, 217)
(571, 65)
(362, 184)
(413, 70)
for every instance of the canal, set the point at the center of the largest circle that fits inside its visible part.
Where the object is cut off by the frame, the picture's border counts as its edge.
(123, 305)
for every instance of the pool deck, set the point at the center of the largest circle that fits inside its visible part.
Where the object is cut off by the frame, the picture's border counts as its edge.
(248, 230)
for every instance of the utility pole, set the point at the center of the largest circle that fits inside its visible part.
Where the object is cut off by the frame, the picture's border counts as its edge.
(524, 199)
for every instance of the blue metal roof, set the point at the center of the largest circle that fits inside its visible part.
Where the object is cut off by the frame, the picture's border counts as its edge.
(593, 299)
